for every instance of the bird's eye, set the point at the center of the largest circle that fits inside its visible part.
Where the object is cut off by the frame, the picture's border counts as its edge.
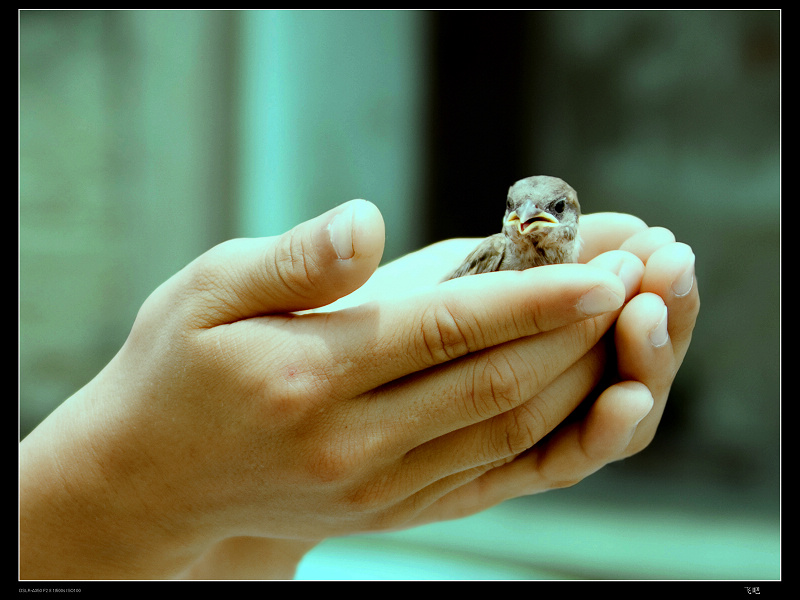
(559, 205)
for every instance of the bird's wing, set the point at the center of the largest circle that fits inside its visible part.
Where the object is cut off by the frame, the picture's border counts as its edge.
(486, 258)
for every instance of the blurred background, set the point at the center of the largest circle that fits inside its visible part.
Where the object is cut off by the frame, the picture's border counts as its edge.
(146, 137)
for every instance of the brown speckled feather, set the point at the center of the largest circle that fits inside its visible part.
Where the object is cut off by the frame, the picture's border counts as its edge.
(487, 257)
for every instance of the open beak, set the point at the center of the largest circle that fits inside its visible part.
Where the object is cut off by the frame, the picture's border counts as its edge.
(529, 217)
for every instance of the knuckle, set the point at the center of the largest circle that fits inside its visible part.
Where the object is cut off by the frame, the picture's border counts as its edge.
(496, 386)
(295, 390)
(522, 428)
(350, 466)
(589, 332)
(293, 263)
(444, 335)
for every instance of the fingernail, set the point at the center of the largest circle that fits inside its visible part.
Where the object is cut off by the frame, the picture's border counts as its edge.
(683, 284)
(340, 230)
(659, 335)
(599, 300)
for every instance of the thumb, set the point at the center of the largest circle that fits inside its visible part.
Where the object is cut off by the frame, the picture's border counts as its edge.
(309, 266)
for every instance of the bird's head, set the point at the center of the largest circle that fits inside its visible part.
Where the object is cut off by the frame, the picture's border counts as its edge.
(541, 210)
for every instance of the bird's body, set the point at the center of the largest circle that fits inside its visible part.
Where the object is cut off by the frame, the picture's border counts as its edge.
(540, 227)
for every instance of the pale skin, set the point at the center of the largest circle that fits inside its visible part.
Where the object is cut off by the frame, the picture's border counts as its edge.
(238, 426)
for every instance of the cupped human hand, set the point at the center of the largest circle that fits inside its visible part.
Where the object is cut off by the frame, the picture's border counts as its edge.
(651, 337)
(622, 421)
(235, 411)
(325, 423)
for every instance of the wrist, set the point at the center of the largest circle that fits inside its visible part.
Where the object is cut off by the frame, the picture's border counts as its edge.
(86, 511)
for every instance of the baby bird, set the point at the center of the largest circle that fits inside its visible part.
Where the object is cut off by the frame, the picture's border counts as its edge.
(540, 227)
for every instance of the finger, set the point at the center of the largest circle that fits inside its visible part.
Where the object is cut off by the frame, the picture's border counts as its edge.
(503, 437)
(601, 232)
(478, 312)
(376, 343)
(439, 473)
(569, 456)
(507, 365)
(582, 448)
(481, 386)
(311, 265)
(670, 274)
(645, 354)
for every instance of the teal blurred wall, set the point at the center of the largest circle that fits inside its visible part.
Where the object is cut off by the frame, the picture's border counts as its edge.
(331, 107)
(125, 176)
(146, 137)
(675, 116)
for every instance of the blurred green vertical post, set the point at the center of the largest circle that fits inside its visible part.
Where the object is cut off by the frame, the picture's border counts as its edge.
(330, 110)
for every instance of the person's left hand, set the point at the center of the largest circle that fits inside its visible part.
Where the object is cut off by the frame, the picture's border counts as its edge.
(652, 336)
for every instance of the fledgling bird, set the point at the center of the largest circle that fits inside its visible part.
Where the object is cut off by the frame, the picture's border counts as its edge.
(540, 227)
